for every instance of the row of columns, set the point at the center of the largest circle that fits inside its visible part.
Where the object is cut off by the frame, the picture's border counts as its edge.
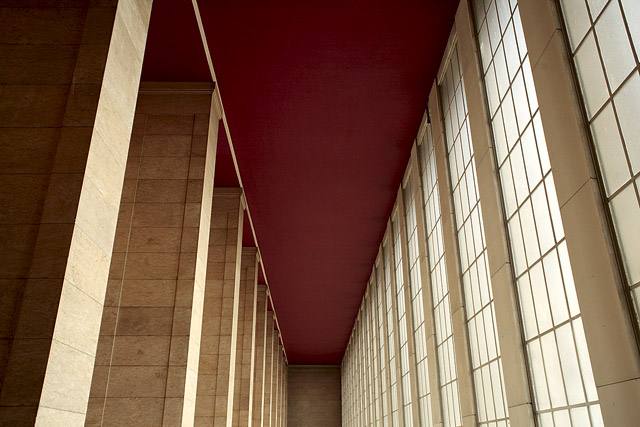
(608, 320)
(127, 297)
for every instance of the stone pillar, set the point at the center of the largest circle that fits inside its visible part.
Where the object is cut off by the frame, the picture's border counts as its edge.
(248, 283)
(427, 293)
(608, 323)
(259, 350)
(147, 360)
(454, 276)
(69, 80)
(268, 370)
(505, 298)
(216, 375)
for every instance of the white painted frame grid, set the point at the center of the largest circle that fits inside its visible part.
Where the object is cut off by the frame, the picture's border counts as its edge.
(485, 350)
(560, 368)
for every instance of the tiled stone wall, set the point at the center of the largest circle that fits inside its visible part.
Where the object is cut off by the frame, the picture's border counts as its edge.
(314, 396)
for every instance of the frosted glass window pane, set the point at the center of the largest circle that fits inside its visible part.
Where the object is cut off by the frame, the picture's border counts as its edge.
(570, 288)
(580, 416)
(526, 305)
(561, 418)
(492, 90)
(539, 380)
(517, 245)
(504, 13)
(511, 51)
(509, 117)
(595, 6)
(530, 153)
(626, 215)
(522, 45)
(485, 47)
(520, 102)
(577, 17)
(627, 103)
(541, 302)
(508, 190)
(554, 373)
(554, 208)
(531, 89)
(570, 366)
(519, 176)
(494, 29)
(543, 220)
(610, 151)
(555, 287)
(500, 65)
(546, 420)
(542, 144)
(500, 138)
(614, 45)
(632, 15)
(585, 362)
(529, 233)
(594, 87)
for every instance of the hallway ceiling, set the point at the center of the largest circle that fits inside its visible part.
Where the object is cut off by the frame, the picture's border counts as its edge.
(323, 101)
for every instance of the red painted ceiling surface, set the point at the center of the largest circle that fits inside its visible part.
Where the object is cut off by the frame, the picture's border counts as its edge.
(323, 101)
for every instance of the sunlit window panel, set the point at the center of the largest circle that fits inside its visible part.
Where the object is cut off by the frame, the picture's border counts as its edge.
(415, 292)
(403, 327)
(559, 364)
(483, 339)
(391, 326)
(439, 286)
(605, 45)
(381, 341)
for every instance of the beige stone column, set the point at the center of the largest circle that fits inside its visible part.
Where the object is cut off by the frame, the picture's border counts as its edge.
(505, 298)
(608, 324)
(259, 350)
(387, 243)
(150, 334)
(454, 276)
(268, 369)
(400, 208)
(248, 284)
(69, 79)
(384, 357)
(216, 375)
(427, 294)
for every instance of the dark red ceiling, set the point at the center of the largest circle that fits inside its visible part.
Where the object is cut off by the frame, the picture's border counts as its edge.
(323, 100)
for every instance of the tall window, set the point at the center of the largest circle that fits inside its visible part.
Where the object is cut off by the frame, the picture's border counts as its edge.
(605, 45)
(565, 393)
(415, 288)
(403, 327)
(483, 339)
(439, 285)
(375, 374)
(391, 325)
(381, 340)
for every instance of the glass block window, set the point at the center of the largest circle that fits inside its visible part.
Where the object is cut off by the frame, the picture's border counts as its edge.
(439, 285)
(564, 389)
(483, 339)
(417, 307)
(382, 334)
(403, 327)
(604, 37)
(391, 325)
